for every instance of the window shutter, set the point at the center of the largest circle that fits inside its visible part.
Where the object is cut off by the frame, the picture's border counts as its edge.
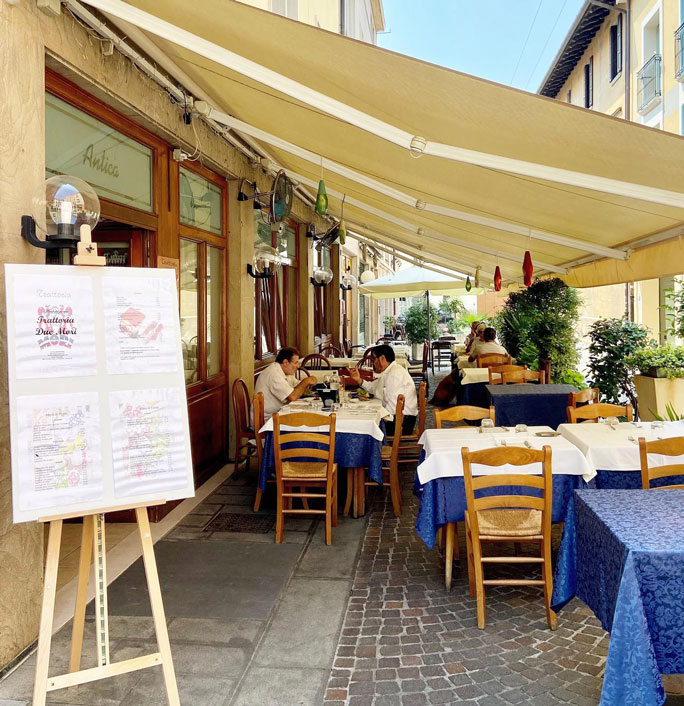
(618, 47)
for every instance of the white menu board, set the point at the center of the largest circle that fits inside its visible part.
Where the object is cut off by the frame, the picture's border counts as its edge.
(98, 413)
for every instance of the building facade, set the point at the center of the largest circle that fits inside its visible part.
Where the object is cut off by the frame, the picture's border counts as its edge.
(624, 58)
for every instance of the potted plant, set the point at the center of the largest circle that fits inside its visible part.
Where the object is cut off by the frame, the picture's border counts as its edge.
(660, 382)
(416, 325)
(389, 322)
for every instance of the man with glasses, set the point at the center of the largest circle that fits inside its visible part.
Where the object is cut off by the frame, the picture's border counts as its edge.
(393, 380)
(279, 384)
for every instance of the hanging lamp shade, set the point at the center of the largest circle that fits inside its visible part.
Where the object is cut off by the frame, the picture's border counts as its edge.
(527, 268)
(321, 199)
(468, 285)
(477, 277)
(497, 279)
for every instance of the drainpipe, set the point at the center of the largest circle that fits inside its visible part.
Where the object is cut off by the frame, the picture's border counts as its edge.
(343, 17)
(627, 67)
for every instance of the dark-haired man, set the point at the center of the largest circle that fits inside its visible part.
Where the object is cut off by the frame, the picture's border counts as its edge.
(278, 382)
(487, 345)
(393, 381)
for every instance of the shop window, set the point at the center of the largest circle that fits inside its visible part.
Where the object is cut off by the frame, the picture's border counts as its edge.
(189, 308)
(117, 167)
(200, 202)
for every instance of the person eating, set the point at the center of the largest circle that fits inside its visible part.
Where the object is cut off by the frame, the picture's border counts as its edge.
(278, 382)
(393, 380)
(487, 345)
(472, 336)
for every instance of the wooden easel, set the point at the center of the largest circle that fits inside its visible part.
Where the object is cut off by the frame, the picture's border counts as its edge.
(93, 548)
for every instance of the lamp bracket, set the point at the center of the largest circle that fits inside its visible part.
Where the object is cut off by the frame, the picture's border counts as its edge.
(258, 275)
(346, 289)
(28, 232)
(318, 284)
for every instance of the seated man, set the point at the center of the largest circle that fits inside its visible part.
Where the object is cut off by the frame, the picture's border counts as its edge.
(393, 380)
(278, 383)
(487, 345)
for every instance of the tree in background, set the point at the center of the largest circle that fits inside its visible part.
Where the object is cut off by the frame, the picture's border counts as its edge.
(537, 326)
(416, 323)
(452, 310)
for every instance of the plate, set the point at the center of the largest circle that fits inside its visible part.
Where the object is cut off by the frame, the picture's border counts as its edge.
(548, 433)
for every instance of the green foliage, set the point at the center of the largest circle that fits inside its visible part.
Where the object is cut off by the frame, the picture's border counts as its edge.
(571, 377)
(613, 343)
(389, 322)
(416, 323)
(452, 309)
(672, 415)
(538, 324)
(674, 309)
(659, 361)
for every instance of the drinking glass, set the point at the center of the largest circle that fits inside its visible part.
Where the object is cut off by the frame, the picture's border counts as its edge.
(658, 424)
(520, 428)
(612, 422)
(487, 424)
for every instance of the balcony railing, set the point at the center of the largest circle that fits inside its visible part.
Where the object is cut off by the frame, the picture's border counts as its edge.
(649, 81)
(679, 54)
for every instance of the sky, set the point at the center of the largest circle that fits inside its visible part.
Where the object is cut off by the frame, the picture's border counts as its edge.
(507, 41)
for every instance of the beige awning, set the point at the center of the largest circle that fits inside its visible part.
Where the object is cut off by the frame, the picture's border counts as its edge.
(502, 171)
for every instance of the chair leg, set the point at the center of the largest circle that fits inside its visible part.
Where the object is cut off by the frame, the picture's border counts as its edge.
(328, 516)
(238, 447)
(395, 490)
(257, 499)
(279, 516)
(350, 490)
(479, 582)
(551, 617)
(471, 563)
(334, 502)
(441, 538)
(305, 501)
(450, 531)
(360, 495)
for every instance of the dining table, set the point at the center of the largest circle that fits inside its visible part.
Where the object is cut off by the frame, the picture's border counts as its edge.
(622, 553)
(612, 450)
(530, 403)
(439, 482)
(359, 433)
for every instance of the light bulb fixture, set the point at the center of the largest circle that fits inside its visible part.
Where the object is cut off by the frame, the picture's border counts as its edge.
(367, 276)
(322, 276)
(321, 199)
(348, 280)
(60, 206)
(265, 263)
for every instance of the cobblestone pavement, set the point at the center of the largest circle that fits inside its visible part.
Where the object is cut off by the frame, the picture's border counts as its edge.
(407, 642)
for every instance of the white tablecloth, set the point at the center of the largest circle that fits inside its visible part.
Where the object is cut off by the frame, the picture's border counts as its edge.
(443, 452)
(351, 362)
(471, 375)
(613, 450)
(458, 348)
(358, 418)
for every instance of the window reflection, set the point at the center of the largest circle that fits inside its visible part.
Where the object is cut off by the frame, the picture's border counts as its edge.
(189, 308)
(214, 288)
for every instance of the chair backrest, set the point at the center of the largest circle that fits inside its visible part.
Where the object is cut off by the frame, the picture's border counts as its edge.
(398, 421)
(665, 447)
(588, 396)
(521, 377)
(347, 347)
(422, 408)
(487, 359)
(241, 405)
(461, 412)
(426, 357)
(367, 360)
(331, 351)
(258, 408)
(495, 372)
(303, 447)
(316, 361)
(592, 412)
(384, 339)
(515, 456)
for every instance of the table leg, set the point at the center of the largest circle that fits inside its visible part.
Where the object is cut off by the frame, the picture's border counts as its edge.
(449, 553)
(350, 491)
(361, 484)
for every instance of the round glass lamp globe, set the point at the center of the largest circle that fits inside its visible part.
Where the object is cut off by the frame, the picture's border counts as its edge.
(367, 276)
(266, 260)
(63, 204)
(348, 279)
(322, 275)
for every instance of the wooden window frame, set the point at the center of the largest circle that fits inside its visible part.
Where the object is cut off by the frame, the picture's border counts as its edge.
(589, 83)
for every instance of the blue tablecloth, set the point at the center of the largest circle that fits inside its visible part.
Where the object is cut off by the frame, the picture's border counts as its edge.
(474, 393)
(534, 405)
(351, 451)
(443, 500)
(622, 553)
(630, 480)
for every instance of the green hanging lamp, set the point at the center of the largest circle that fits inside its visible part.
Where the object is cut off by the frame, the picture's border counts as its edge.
(468, 285)
(321, 199)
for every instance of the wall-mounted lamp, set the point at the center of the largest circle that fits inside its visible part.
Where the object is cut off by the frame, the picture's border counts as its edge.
(348, 280)
(367, 276)
(265, 263)
(59, 208)
(322, 276)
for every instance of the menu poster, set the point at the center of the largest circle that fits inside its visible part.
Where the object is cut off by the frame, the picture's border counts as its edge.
(147, 440)
(53, 326)
(138, 318)
(59, 437)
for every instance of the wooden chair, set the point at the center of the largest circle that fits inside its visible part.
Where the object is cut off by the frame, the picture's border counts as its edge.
(390, 462)
(463, 412)
(522, 377)
(347, 347)
(666, 447)
(419, 372)
(292, 472)
(258, 410)
(487, 359)
(366, 361)
(508, 518)
(441, 351)
(409, 450)
(384, 339)
(588, 396)
(316, 361)
(496, 371)
(242, 415)
(331, 351)
(592, 412)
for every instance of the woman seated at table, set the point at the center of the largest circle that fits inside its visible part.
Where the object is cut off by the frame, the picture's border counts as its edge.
(488, 344)
(393, 380)
(278, 382)
(472, 336)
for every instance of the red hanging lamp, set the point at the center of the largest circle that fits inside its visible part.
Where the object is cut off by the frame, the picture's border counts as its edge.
(527, 268)
(497, 279)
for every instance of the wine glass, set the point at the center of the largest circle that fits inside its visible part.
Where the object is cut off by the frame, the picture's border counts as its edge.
(521, 428)
(487, 424)
(612, 422)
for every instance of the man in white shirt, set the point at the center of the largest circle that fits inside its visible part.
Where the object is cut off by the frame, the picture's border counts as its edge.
(393, 380)
(487, 345)
(278, 384)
